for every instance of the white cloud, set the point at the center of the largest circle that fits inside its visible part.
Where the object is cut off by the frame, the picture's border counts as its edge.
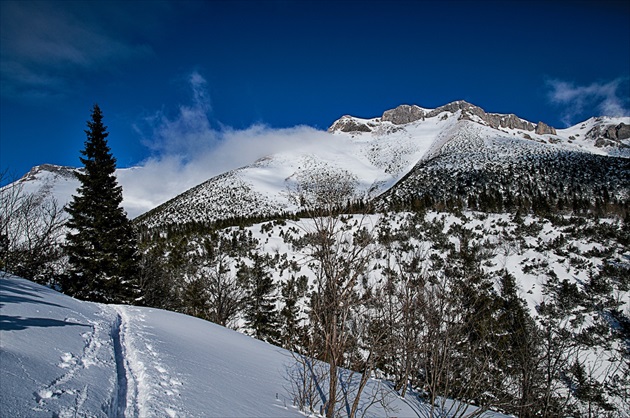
(199, 88)
(596, 99)
(190, 150)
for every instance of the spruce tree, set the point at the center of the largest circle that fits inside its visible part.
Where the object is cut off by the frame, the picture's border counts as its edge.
(518, 360)
(260, 313)
(101, 243)
(289, 318)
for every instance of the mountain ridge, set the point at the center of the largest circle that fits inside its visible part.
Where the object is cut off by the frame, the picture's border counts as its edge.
(404, 114)
(392, 146)
(378, 152)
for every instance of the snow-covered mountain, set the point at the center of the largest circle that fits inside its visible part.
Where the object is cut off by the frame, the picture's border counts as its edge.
(65, 358)
(49, 181)
(379, 152)
(376, 161)
(491, 169)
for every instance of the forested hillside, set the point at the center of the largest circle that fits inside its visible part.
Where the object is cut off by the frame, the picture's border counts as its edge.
(520, 313)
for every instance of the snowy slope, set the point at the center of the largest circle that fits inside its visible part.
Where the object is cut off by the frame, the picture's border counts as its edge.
(379, 152)
(66, 357)
(532, 249)
(515, 166)
(48, 181)
(376, 161)
(519, 249)
(62, 357)
(597, 135)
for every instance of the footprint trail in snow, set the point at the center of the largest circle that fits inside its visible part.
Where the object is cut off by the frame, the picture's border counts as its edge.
(152, 390)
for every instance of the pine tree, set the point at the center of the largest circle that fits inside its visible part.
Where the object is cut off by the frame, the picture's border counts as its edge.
(101, 244)
(289, 319)
(520, 351)
(261, 315)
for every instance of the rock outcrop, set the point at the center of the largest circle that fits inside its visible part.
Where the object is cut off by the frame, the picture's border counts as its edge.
(623, 131)
(619, 132)
(458, 105)
(510, 121)
(406, 114)
(403, 114)
(349, 124)
(609, 135)
(477, 114)
(543, 129)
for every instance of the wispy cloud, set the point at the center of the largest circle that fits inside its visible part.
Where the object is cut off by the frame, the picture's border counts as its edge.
(186, 133)
(46, 44)
(596, 99)
(190, 147)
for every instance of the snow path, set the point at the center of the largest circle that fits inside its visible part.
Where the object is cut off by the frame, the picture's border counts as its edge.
(56, 354)
(121, 371)
(143, 379)
(66, 358)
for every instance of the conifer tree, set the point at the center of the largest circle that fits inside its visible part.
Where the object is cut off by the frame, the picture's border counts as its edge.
(260, 299)
(101, 244)
(520, 351)
(289, 318)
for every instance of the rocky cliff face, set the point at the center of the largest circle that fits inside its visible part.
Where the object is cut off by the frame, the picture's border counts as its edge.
(621, 131)
(349, 124)
(609, 135)
(404, 114)
(494, 120)
(542, 129)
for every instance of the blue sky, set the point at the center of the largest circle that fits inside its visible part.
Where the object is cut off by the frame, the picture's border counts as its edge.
(177, 79)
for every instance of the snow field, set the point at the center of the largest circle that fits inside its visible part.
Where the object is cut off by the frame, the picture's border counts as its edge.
(66, 358)
(45, 371)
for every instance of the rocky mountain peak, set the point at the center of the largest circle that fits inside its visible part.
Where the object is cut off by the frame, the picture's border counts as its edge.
(403, 114)
(349, 124)
(494, 120)
(63, 171)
